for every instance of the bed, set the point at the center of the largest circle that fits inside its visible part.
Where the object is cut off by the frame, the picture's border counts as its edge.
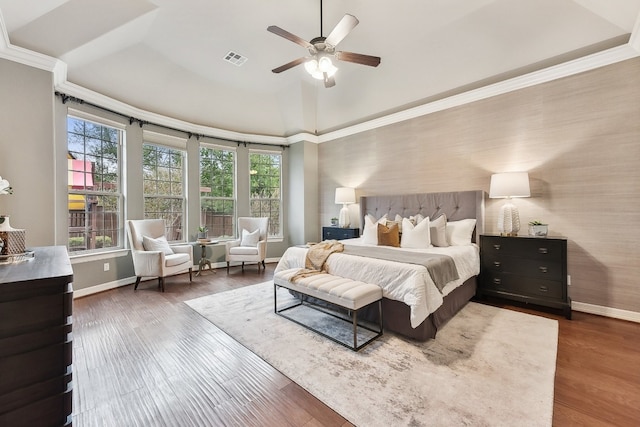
(413, 304)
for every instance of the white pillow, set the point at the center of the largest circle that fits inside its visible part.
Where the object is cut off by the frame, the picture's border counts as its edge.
(159, 244)
(370, 231)
(415, 236)
(438, 231)
(460, 232)
(250, 238)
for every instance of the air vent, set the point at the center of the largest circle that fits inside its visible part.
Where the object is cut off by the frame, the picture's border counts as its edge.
(235, 58)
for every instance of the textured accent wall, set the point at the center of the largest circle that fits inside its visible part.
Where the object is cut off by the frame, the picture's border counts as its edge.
(579, 139)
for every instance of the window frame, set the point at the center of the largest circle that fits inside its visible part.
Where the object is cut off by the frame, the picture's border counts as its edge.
(86, 194)
(233, 199)
(169, 228)
(279, 234)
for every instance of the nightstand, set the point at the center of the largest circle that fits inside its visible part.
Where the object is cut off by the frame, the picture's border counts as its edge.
(339, 233)
(526, 269)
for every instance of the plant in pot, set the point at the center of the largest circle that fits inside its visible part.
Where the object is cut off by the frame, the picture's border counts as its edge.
(537, 228)
(334, 221)
(202, 232)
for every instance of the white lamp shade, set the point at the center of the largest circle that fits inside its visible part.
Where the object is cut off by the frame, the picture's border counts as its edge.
(509, 184)
(345, 195)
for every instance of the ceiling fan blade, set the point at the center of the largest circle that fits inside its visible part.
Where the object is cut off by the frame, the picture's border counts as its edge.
(344, 27)
(288, 65)
(358, 58)
(329, 81)
(287, 35)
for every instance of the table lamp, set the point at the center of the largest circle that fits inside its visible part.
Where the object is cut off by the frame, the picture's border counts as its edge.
(509, 185)
(345, 196)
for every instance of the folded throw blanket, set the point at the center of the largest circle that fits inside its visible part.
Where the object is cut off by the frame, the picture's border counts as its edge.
(317, 255)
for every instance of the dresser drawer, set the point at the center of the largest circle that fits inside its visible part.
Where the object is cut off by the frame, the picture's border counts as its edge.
(549, 269)
(522, 285)
(532, 248)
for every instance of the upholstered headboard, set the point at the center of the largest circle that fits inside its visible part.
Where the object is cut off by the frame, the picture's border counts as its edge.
(456, 205)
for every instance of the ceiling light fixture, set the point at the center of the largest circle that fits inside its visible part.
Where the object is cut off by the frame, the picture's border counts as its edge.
(318, 65)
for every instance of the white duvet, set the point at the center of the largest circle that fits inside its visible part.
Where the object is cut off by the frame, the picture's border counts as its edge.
(409, 283)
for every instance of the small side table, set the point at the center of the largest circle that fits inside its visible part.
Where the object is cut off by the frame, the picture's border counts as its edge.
(203, 256)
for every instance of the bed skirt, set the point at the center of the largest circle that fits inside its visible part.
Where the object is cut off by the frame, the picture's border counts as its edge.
(396, 314)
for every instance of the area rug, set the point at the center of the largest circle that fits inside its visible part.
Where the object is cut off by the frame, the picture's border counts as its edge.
(487, 366)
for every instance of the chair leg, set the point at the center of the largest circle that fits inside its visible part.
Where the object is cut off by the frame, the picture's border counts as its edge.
(190, 278)
(263, 266)
(227, 267)
(242, 265)
(137, 282)
(161, 280)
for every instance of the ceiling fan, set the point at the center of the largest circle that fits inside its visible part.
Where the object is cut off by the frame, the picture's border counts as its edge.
(322, 49)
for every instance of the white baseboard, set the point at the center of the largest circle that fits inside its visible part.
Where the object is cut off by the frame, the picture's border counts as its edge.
(103, 287)
(130, 280)
(632, 316)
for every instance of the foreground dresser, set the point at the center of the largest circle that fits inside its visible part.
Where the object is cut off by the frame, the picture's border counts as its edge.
(35, 340)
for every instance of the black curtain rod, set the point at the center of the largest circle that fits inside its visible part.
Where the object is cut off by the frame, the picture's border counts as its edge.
(66, 98)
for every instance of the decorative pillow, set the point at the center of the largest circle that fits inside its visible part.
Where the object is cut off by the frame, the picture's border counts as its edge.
(159, 244)
(460, 232)
(250, 238)
(388, 236)
(370, 231)
(438, 231)
(398, 220)
(415, 236)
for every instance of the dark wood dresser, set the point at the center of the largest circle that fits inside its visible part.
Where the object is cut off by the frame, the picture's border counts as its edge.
(36, 298)
(526, 269)
(339, 233)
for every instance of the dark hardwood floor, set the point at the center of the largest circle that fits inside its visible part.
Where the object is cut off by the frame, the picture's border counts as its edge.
(144, 358)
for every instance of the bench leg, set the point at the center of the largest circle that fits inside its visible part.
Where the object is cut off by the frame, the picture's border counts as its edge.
(355, 328)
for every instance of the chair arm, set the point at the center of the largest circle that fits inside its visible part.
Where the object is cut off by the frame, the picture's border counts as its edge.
(183, 249)
(147, 263)
(231, 244)
(262, 249)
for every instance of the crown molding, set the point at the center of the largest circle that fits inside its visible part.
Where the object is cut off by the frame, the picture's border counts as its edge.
(59, 70)
(590, 62)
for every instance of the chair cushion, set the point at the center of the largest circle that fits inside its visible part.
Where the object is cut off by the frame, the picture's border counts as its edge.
(250, 238)
(159, 244)
(176, 259)
(243, 250)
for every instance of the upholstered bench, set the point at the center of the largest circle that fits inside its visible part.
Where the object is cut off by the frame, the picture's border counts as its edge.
(348, 294)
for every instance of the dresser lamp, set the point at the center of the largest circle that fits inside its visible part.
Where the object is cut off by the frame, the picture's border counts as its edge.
(345, 196)
(509, 185)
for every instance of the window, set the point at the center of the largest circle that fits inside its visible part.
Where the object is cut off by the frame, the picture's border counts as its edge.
(163, 179)
(265, 173)
(94, 186)
(217, 191)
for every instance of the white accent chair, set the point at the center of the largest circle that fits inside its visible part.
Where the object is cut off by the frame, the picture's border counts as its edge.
(156, 263)
(236, 251)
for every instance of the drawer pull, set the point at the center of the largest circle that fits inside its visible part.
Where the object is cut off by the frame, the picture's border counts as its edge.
(496, 247)
(543, 250)
(497, 281)
(543, 269)
(543, 289)
(496, 264)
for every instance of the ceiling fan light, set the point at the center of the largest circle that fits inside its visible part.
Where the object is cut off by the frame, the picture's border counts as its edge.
(311, 66)
(324, 64)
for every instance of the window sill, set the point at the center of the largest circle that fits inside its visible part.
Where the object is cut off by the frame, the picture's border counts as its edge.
(79, 259)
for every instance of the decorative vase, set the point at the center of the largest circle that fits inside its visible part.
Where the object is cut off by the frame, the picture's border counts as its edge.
(12, 240)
